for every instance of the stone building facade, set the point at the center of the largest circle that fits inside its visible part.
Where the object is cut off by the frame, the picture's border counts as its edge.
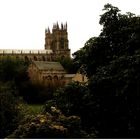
(47, 73)
(52, 74)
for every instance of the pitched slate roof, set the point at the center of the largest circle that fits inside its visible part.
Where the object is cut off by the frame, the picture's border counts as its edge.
(69, 75)
(44, 65)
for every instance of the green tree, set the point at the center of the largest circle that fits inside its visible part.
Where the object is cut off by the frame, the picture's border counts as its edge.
(70, 99)
(68, 65)
(119, 36)
(13, 70)
(112, 63)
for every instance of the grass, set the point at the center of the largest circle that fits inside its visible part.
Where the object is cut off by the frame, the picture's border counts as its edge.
(35, 108)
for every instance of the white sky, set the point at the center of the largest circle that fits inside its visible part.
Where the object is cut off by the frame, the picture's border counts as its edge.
(23, 22)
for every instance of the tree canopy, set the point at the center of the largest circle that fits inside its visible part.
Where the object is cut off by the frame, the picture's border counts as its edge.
(112, 63)
(120, 36)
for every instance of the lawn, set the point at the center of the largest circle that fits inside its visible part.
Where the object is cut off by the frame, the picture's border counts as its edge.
(35, 108)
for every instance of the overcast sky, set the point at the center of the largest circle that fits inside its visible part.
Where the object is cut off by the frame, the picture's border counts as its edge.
(23, 22)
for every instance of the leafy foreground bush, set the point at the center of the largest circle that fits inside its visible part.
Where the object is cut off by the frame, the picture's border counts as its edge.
(50, 125)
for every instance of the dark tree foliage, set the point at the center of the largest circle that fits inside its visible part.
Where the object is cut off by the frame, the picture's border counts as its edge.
(13, 70)
(12, 74)
(71, 98)
(112, 63)
(120, 36)
(10, 113)
(116, 94)
(68, 65)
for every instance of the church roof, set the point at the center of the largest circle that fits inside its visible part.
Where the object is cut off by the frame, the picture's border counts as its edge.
(44, 65)
(69, 75)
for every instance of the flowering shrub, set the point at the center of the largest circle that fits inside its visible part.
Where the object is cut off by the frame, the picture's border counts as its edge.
(49, 125)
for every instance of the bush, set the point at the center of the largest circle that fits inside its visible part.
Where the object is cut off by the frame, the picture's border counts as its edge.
(49, 125)
(71, 98)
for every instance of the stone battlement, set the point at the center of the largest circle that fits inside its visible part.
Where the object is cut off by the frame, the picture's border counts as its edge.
(11, 51)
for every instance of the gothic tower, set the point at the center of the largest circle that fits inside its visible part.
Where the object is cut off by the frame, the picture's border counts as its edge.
(57, 40)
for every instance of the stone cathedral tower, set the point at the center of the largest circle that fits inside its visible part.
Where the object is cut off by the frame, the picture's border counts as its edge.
(57, 41)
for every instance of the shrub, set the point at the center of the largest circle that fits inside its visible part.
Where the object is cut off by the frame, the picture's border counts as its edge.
(51, 124)
(71, 98)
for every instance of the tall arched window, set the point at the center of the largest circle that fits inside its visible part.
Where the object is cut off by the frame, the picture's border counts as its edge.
(43, 58)
(55, 78)
(62, 43)
(35, 58)
(26, 58)
(49, 78)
